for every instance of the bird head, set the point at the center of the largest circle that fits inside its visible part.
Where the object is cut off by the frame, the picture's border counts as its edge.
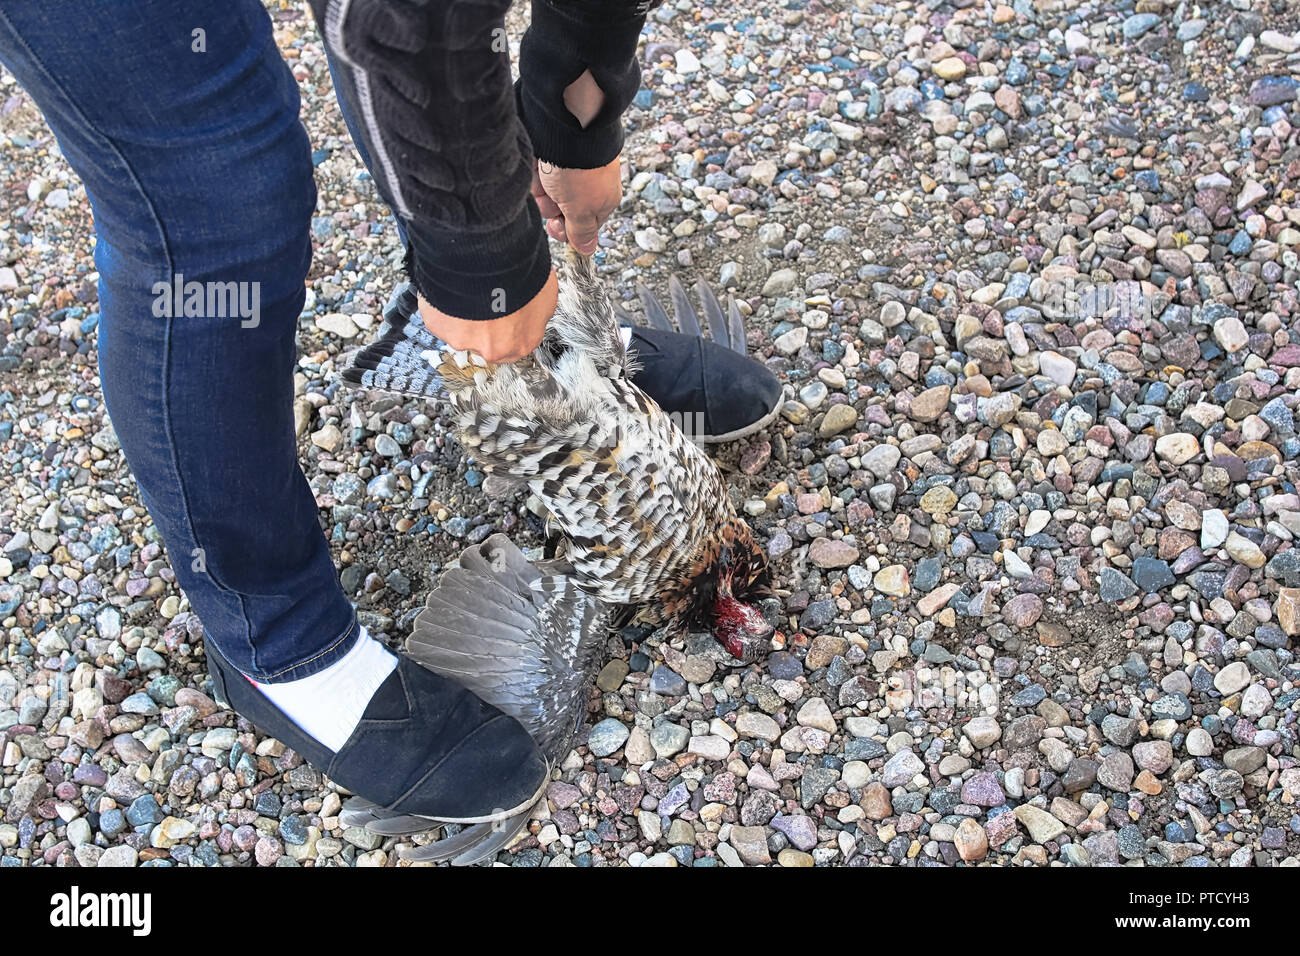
(721, 589)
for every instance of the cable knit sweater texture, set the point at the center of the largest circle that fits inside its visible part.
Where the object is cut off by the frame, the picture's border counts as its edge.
(452, 144)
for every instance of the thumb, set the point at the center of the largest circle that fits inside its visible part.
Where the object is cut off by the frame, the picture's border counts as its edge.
(581, 228)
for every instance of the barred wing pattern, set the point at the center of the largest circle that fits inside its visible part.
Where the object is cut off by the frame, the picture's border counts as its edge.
(522, 637)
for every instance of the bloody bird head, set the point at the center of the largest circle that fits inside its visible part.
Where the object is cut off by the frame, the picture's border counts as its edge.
(721, 590)
(742, 579)
(741, 628)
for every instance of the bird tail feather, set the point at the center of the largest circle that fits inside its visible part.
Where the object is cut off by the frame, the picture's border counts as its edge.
(726, 328)
(584, 319)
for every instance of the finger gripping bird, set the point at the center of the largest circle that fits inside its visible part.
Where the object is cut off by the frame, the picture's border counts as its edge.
(644, 513)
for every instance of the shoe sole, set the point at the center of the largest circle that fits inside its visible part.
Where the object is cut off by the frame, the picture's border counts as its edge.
(747, 430)
(221, 693)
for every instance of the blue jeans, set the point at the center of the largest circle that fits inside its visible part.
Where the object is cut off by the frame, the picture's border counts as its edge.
(196, 165)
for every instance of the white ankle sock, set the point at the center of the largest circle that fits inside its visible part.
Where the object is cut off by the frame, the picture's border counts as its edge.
(329, 704)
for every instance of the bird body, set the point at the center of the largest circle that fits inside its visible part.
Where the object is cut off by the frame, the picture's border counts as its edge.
(643, 511)
(632, 497)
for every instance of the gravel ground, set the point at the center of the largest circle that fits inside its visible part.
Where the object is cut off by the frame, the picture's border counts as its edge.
(1029, 271)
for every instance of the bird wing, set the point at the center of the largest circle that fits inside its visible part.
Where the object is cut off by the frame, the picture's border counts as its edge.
(522, 638)
(396, 361)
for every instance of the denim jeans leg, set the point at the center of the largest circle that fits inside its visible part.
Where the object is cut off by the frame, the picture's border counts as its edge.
(182, 120)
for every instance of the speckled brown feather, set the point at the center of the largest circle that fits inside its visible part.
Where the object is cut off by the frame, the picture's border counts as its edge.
(644, 510)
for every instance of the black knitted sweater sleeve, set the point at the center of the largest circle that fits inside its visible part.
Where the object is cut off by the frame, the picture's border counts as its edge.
(451, 144)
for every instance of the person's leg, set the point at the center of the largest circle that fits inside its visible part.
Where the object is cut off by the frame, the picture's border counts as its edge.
(182, 120)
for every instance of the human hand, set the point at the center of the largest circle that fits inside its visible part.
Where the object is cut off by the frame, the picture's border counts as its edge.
(576, 202)
(507, 339)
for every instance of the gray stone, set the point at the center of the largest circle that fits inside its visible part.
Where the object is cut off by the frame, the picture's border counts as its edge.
(901, 768)
(607, 736)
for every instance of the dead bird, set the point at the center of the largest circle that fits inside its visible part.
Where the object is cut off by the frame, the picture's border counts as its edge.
(643, 513)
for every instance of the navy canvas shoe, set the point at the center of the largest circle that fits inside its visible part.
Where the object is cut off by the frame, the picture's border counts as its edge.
(424, 747)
